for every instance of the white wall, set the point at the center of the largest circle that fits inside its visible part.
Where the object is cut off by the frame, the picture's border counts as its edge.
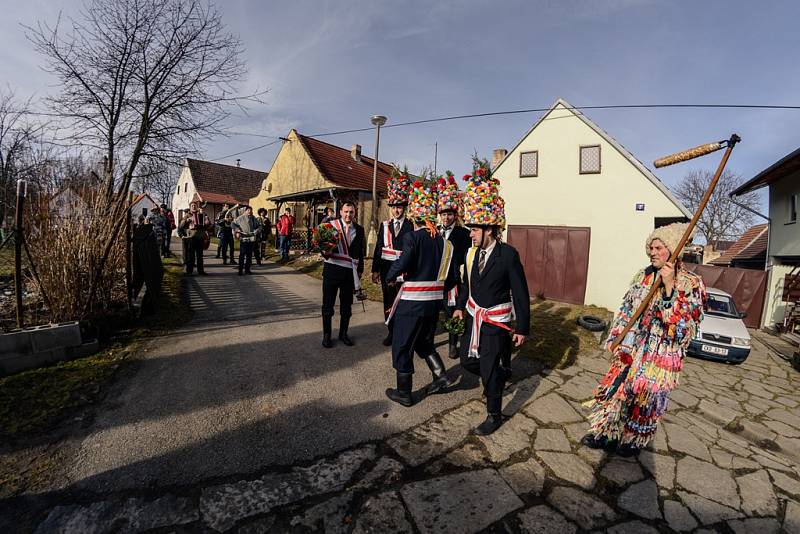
(183, 194)
(605, 202)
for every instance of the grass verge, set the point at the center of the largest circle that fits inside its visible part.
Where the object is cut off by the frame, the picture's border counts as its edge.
(312, 266)
(35, 401)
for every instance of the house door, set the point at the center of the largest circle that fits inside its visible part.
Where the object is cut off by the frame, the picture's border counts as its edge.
(555, 258)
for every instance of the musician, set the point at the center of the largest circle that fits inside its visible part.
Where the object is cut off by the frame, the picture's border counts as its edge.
(195, 226)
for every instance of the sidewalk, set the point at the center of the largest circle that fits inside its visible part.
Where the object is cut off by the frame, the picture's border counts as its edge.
(725, 458)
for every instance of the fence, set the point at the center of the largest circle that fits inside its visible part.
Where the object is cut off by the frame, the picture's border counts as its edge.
(746, 286)
(50, 262)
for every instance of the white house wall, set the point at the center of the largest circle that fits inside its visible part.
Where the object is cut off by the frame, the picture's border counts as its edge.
(605, 202)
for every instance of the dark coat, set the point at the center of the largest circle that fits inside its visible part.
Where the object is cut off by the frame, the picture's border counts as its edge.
(357, 249)
(419, 262)
(462, 242)
(502, 280)
(380, 265)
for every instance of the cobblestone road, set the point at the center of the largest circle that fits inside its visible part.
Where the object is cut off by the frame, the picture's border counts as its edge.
(726, 459)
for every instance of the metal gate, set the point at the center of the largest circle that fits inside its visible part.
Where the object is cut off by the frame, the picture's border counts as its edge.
(555, 258)
(746, 286)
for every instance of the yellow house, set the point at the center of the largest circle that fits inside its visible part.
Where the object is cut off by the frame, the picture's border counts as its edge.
(579, 207)
(782, 302)
(310, 175)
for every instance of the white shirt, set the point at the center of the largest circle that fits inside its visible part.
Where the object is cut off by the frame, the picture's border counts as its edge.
(398, 224)
(447, 230)
(488, 250)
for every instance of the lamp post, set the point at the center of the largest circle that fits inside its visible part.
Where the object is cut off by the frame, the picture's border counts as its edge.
(377, 121)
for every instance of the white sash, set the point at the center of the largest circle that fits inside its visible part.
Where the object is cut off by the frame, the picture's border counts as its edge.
(425, 290)
(388, 251)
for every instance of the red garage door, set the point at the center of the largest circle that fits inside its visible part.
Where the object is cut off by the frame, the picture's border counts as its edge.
(556, 260)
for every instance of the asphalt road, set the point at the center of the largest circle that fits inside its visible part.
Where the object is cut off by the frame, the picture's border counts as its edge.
(247, 385)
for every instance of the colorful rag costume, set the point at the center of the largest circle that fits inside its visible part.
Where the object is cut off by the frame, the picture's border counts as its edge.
(632, 397)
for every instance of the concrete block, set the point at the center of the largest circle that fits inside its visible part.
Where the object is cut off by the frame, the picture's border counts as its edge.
(48, 337)
(18, 341)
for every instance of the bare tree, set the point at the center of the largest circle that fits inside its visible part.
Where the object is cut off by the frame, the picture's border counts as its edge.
(158, 178)
(17, 134)
(722, 218)
(141, 78)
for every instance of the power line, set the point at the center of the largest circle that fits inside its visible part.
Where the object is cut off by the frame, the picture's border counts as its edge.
(245, 151)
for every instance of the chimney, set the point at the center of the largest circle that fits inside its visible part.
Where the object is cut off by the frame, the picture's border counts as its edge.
(355, 152)
(238, 162)
(497, 156)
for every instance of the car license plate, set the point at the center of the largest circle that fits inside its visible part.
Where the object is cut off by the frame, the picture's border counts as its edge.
(714, 350)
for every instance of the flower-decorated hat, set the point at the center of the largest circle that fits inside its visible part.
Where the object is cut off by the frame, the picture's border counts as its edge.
(483, 205)
(422, 202)
(450, 197)
(398, 185)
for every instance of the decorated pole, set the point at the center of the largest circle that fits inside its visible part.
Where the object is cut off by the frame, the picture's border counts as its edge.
(686, 155)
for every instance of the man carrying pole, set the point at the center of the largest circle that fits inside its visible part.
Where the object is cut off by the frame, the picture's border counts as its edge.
(659, 316)
(389, 244)
(495, 290)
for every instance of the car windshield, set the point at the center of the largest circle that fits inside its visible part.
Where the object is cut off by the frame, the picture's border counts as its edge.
(721, 305)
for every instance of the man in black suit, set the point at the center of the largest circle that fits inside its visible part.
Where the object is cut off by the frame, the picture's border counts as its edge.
(388, 248)
(428, 269)
(494, 291)
(341, 273)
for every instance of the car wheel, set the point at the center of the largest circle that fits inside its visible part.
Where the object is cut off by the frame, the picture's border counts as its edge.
(591, 323)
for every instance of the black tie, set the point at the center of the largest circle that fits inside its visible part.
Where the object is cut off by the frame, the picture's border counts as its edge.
(482, 262)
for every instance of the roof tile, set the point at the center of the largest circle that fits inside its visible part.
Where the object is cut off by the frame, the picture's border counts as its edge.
(218, 183)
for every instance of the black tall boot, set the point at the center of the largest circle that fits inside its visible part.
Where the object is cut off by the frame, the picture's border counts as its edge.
(344, 323)
(452, 347)
(402, 395)
(494, 418)
(326, 331)
(440, 380)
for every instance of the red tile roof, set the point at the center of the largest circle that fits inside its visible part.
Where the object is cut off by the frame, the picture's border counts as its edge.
(219, 184)
(751, 245)
(338, 166)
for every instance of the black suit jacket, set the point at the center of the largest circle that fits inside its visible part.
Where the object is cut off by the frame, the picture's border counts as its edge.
(422, 255)
(462, 242)
(380, 265)
(502, 280)
(357, 250)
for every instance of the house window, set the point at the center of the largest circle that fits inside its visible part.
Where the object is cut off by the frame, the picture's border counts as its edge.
(792, 209)
(185, 186)
(529, 164)
(590, 159)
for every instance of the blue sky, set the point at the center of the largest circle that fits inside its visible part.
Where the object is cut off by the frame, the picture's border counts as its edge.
(331, 65)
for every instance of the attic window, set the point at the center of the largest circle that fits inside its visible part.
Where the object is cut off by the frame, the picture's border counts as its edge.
(185, 186)
(529, 164)
(590, 159)
(792, 209)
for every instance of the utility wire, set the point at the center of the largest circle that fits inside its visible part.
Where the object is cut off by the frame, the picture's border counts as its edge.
(245, 151)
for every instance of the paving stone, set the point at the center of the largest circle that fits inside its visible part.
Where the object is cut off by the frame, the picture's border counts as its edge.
(786, 483)
(755, 431)
(771, 464)
(438, 435)
(328, 516)
(708, 511)
(525, 477)
(659, 442)
(131, 515)
(717, 412)
(632, 527)
(551, 439)
(569, 467)
(382, 513)
(678, 516)
(790, 446)
(707, 480)
(729, 402)
(512, 437)
(470, 455)
(224, 505)
(756, 389)
(758, 497)
(576, 431)
(621, 472)
(736, 449)
(641, 499)
(755, 526)
(787, 401)
(586, 510)
(579, 388)
(661, 467)
(544, 520)
(782, 429)
(593, 457)
(681, 440)
(442, 504)
(551, 408)
(791, 519)
(386, 470)
(597, 362)
(724, 459)
(261, 525)
(743, 463)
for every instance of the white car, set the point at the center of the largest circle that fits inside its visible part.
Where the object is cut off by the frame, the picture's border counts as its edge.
(722, 335)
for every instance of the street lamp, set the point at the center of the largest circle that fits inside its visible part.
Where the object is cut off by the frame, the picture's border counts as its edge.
(378, 121)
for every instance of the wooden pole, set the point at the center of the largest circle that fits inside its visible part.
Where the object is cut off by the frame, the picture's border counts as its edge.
(18, 236)
(128, 256)
(689, 154)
